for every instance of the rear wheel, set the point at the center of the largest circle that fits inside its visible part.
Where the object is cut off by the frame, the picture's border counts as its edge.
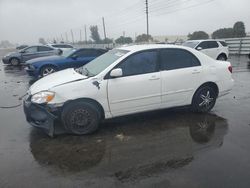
(204, 99)
(14, 62)
(46, 70)
(81, 117)
(222, 57)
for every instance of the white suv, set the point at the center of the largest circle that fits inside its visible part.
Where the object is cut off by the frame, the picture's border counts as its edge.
(215, 49)
(124, 81)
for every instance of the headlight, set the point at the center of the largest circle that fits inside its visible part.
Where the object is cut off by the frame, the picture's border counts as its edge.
(43, 97)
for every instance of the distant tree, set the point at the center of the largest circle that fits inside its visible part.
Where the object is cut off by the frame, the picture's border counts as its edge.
(143, 38)
(42, 41)
(5, 44)
(107, 41)
(124, 40)
(223, 33)
(95, 34)
(198, 35)
(239, 29)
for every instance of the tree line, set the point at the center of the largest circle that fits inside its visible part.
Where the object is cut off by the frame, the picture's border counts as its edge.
(237, 31)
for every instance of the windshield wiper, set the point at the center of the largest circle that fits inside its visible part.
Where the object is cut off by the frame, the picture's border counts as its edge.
(84, 71)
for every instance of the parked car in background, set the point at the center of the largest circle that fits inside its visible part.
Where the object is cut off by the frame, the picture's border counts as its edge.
(125, 81)
(63, 47)
(21, 47)
(16, 58)
(215, 49)
(73, 58)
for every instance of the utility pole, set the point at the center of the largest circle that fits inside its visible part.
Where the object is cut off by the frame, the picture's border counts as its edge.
(147, 19)
(72, 35)
(104, 30)
(85, 28)
(66, 36)
(80, 35)
(62, 38)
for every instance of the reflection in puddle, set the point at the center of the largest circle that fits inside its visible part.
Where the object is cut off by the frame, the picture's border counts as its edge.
(132, 147)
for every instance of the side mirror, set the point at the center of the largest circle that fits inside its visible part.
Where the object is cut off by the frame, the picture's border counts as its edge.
(199, 48)
(115, 73)
(59, 52)
(22, 51)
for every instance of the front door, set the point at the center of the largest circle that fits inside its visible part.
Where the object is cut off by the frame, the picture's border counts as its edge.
(139, 89)
(210, 48)
(29, 53)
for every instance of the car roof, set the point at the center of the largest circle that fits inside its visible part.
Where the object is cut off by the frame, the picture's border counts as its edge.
(203, 40)
(50, 44)
(135, 48)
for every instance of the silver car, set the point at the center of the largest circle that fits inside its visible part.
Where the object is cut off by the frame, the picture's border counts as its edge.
(31, 52)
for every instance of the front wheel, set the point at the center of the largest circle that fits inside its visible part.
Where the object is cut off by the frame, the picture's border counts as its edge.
(14, 62)
(45, 71)
(80, 118)
(204, 99)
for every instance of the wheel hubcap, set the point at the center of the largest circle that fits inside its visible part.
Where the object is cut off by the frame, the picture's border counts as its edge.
(206, 100)
(80, 119)
(48, 71)
(14, 62)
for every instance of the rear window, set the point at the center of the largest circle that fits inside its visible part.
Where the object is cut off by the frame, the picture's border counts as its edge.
(223, 43)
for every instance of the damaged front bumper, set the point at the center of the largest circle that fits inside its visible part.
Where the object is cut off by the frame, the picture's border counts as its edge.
(41, 116)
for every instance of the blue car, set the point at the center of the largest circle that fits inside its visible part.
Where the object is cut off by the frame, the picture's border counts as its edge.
(72, 58)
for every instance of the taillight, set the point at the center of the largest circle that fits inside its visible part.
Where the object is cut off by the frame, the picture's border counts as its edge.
(230, 68)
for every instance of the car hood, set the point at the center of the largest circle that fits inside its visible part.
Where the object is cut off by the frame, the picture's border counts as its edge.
(12, 54)
(56, 79)
(47, 58)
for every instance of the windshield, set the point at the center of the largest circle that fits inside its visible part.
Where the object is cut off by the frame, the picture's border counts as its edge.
(102, 62)
(191, 44)
(68, 53)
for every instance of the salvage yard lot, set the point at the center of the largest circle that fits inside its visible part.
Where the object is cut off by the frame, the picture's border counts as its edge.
(158, 149)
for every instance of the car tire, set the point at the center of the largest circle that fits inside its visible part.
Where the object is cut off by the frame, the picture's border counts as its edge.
(222, 57)
(80, 117)
(46, 70)
(14, 61)
(204, 99)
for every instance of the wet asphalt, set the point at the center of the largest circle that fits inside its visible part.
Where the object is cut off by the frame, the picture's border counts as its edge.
(169, 148)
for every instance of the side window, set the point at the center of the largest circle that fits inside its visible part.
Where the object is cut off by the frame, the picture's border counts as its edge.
(44, 49)
(86, 53)
(31, 50)
(203, 45)
(140, 63)
(212, 44)
(177, 59)
(223, 43)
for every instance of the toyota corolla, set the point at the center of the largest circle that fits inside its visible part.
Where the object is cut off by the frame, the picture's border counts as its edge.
(125, 81)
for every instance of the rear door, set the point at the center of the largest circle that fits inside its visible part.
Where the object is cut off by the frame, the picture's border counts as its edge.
(45, 51)
(181, 74)
(139, 89)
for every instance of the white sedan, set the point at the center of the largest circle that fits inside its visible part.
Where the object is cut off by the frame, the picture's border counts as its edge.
(124, 81)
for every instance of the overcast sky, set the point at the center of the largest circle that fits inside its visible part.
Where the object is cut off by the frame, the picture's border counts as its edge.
(24, 21)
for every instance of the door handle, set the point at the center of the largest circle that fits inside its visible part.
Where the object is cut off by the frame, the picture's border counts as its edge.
(154, 78)
(196, 72)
